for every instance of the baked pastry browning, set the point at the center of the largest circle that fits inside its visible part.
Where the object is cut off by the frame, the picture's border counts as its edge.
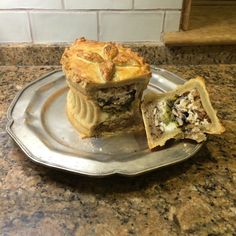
(106, 82)
(183, 113)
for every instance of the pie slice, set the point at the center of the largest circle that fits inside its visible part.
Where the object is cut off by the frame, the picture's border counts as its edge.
(106, 82)
(185, 112)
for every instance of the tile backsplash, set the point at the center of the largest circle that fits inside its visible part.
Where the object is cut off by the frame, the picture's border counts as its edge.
(131, 26)
(56, 21)
(98, 4)
(14, 27)
(62, 26)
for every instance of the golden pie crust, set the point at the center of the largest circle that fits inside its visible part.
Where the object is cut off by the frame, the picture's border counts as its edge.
(102, 62)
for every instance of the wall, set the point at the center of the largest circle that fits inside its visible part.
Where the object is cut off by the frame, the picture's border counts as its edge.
(52, 21)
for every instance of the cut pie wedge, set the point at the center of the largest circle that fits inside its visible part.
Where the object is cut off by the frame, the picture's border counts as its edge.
(183, 113)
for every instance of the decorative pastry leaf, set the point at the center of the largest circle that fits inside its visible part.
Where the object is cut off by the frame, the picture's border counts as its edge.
(107, 70)
(124, 60)
(90, 56)
(110, 51)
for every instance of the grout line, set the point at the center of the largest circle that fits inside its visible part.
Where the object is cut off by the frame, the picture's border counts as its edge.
(66, 44)
(62, 4)
(163, 26)
(133, 4)
(89, 10)
(163, 22)
(30, 26)
(98, 26)
(32, 66)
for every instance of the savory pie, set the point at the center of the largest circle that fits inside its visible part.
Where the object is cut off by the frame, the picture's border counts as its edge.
(183, 113)
(106, 82)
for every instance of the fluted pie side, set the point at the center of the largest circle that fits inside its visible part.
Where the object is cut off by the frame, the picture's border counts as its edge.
(81, 112)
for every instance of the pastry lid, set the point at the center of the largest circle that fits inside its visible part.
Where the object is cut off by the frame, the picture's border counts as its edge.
(102, 62)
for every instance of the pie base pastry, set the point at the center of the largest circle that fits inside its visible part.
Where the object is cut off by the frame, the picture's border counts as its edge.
(106, 82)
(183, 113)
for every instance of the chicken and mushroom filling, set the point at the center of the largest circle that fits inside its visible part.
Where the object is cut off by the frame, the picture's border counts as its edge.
(117, 99)
(184, 111)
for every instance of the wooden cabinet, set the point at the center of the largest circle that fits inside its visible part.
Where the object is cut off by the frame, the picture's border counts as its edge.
(189, 4)
(213, 2)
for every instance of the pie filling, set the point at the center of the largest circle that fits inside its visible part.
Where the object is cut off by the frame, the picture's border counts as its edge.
(117, 99)
(185, 112)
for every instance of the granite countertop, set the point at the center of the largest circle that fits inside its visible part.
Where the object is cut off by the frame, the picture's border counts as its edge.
(196, 197)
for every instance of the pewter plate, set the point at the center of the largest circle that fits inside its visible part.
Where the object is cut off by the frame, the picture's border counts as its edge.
(37, 122)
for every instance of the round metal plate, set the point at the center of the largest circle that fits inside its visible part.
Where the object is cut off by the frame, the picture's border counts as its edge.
(37, 122)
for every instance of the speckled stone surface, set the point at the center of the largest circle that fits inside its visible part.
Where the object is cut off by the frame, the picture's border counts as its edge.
(38, 55)
(196, 197)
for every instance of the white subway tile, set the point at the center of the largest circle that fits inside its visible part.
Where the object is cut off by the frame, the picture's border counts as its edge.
(98, 4)
(158, 4)
(26, 4)
(131, 26)
(172, 21)
(50, 27)
(14, 27)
